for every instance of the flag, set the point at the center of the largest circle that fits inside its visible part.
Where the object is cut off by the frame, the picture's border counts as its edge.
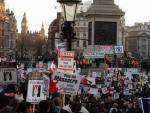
(146, 105)
(53, 86)
(52, 68)
(85, 81)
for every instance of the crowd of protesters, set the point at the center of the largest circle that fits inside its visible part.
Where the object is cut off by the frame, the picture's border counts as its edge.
(84, 103)
(13, 97)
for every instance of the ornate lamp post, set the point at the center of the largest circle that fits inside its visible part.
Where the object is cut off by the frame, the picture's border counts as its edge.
(69, 10)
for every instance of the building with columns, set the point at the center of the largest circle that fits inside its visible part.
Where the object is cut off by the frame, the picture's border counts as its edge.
(54, 32)
(97, 23)
(81, 27)
(137, 39)
(8, 32)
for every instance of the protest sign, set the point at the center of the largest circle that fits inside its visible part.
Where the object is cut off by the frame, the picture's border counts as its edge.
(104, 90)
(35, 91)
(66, 61)
(133, 71)
(93, 91)
(116, 96)
(62, 46)
(46, 85)
(66, 83)
(8, 76)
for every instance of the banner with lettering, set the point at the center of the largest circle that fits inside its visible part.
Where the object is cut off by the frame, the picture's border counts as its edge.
(35, 91)
(8, 76)
(65, 83)
(66, 61)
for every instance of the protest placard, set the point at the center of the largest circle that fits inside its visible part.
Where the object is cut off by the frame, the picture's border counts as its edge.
(35, 91)
(66, 61)
(66, 83)
(8, 76)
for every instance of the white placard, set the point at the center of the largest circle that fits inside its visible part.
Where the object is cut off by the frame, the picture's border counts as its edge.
(93, 91)
(67, 84)
(66, 61)
(104, 90)
(119, 49)
(35, 91)
(8, 76)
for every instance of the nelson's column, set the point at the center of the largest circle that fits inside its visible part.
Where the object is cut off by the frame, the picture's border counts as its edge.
(104, 23)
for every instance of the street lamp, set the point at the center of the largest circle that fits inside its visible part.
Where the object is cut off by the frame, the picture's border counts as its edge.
(69, 11)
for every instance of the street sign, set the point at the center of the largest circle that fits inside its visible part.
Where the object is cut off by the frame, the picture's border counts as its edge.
(119, 49)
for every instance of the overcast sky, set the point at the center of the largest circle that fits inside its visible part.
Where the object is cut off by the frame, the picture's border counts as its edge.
(45, 11)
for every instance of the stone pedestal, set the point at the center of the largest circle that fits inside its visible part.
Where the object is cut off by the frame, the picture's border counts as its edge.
(104, 23)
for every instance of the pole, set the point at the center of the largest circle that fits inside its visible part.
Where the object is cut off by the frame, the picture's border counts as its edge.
(33, 108)
(63, 99)
(69, 37)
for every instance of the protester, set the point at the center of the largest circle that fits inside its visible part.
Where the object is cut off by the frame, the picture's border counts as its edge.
(75, 107)
(57, 105)
(114, 108)
(25, 107)
(44, 106)
(11, 107)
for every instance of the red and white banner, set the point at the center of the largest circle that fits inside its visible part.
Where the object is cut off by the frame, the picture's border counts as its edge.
(66, 61)
(65, 83)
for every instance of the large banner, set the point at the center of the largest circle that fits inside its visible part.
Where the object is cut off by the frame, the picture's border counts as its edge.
(65, 83)
(89, 53)
(8, 76)
(66, 61)
(35, 91)
(98, 51)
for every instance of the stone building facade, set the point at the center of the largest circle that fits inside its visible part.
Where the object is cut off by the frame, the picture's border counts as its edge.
(81, 27)
(31, 46)
(54, 32)
(137, 39)
(8, 32)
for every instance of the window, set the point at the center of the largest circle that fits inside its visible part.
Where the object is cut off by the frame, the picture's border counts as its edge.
(78, 43)
(90, 33)
(84, 43)
(84, 24)
(84, 34)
